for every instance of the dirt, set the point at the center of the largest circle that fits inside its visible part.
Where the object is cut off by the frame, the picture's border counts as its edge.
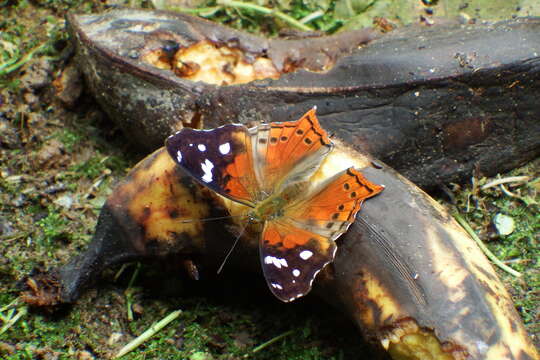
(59, 159)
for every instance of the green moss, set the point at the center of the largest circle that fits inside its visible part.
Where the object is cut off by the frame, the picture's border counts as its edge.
(53, 227)
(521, 248)
(45, 234)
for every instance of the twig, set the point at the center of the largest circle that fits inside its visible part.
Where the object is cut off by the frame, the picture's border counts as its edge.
(242, 5)
(517, 261)
(507, 192)
(148, 333)
(15, 236)
(505, 180)
(483, 247)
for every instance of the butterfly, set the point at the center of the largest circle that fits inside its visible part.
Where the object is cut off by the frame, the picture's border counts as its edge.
(268, 168)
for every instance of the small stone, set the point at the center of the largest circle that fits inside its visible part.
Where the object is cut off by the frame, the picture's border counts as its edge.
(50, 154)
(10, 137)
(19, 200)
(6, 228)
(504, 224)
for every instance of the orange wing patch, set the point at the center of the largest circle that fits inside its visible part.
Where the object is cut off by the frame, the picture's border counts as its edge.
(286, 149)
(283, 235)
(331, 209)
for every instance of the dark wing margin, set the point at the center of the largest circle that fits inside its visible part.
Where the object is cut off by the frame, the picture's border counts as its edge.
(291, 258)
(220, 159)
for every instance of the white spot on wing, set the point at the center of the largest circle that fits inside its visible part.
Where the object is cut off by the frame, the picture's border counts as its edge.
(225, 148)
(179, 156)
(296, 273)
(277, 286)
(276, 261)
(207, 167)
(306, 254)
(201, 147)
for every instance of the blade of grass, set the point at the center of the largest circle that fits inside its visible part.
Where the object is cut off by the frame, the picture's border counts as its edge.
(263, 10)
(273, 340)
(20, 313)
(313, 16)
(204, 12)
(129, 292)
(11, 305)
(483, 247)
(154, 329)
(10, 66)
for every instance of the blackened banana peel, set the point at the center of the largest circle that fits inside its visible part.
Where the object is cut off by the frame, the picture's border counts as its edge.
(411, 279)
(434, 103)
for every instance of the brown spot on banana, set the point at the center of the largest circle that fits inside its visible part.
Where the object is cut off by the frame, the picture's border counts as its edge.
(155, 203)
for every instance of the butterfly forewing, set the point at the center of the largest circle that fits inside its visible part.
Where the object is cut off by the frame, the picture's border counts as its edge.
(288, 152)
(291, 258)
(220, 159)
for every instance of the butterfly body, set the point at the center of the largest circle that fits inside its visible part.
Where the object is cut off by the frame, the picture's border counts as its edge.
(273, 207)
(268, 169)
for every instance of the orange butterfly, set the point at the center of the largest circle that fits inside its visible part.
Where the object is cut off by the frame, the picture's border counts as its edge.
(268, 168)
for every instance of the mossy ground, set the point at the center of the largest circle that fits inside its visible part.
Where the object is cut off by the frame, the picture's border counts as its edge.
(58, 164)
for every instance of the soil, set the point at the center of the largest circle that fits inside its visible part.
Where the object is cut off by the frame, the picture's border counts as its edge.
(60, 157)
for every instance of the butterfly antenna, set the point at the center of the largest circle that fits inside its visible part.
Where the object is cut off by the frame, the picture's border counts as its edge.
(211, 219)
(232, 248)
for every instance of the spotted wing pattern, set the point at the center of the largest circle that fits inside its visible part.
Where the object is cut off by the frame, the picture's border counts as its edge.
(331, 207)
(249, 165)
(288, 152)
(220, 159)
(291, 258)
(296, 247)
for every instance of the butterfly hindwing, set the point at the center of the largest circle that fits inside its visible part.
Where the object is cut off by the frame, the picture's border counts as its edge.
(220, 159)
(331, 207)
(296, 247)
(292, 257)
